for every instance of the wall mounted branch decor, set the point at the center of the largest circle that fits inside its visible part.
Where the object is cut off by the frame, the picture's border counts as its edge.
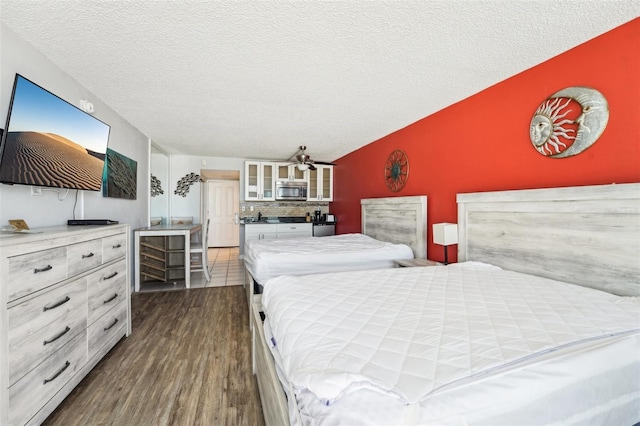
(185, 183)
(569, 122)
(156, 186)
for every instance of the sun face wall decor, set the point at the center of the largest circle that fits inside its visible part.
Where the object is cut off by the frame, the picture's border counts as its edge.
(396, 170)
(569, 122)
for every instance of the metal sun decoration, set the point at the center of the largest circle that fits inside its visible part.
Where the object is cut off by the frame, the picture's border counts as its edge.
(569, 122)
(185, 183)
(396, 170)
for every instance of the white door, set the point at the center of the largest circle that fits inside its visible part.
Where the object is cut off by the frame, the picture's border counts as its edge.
(224, 228)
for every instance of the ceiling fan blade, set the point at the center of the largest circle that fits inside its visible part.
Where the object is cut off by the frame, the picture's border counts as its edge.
(326, 163)
(311, 166)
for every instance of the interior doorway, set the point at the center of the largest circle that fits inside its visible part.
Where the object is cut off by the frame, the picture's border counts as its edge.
(223, 205)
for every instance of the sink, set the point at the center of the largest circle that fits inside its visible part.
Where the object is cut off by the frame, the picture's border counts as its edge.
(272, 221)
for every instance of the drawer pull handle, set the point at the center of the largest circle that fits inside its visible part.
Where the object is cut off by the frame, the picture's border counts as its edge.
(55, 305)
(45, 269)
(117, 246)
(111, 326)
(84, 256)
(53, 339)
(111, 276)
(66, 365)
(115, 295)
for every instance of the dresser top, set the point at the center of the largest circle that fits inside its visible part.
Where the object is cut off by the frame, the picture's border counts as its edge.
(40, 234)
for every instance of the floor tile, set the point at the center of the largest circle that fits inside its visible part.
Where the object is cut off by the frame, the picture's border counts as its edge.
(225, 269)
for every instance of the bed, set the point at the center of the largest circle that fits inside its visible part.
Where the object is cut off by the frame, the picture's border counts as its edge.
(392, 229)
(538, 323)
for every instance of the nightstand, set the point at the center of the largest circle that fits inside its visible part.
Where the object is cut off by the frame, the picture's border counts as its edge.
(410, 263)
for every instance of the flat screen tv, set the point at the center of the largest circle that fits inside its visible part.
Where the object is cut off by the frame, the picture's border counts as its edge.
(49, 142)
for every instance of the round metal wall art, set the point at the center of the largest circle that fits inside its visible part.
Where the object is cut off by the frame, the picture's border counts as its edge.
(396, 170)
(185, 183)
(156, 186)
(569, 122)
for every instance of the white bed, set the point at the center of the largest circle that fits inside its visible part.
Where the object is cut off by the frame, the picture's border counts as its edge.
(464, 344)
(266, 259)
(472, 343)
(392, 229)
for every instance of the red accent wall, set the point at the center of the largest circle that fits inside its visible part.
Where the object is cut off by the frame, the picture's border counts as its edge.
(482, 143)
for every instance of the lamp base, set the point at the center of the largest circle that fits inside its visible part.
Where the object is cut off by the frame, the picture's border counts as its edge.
(446, 252)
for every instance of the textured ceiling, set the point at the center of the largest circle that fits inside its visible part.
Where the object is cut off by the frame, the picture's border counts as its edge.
(256, 79)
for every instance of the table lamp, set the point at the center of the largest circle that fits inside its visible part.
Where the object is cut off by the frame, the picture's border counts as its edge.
(445, 234)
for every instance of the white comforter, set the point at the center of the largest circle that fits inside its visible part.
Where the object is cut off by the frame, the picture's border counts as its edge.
(266, 259)
(410, 333)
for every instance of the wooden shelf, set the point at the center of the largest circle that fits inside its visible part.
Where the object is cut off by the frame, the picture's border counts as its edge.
(162, 258)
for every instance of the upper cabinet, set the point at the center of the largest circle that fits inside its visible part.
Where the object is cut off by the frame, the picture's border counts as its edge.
(290, 172)
(259, 181)
(320, 185)
(260, 178)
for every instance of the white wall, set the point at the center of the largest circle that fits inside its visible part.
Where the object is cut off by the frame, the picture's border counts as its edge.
(18, 56)
(159, 205)
(182, 165)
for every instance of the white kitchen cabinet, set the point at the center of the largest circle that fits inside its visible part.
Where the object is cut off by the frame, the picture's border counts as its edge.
(270, 231)
(260, 232)
(320, 185)
(294, 230)
(290, 172)
(259, 181)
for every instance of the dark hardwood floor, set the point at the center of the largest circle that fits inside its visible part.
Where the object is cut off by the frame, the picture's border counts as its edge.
(187, 362)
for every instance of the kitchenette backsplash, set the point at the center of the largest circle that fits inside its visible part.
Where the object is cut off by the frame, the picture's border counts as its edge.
(282, 208)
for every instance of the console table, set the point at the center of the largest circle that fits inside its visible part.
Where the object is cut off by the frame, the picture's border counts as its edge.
(162, 253)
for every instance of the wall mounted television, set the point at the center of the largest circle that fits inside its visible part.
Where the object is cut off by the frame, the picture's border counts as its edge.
(50, 143)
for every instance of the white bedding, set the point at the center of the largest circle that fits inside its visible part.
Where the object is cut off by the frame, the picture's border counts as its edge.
(461, 344)
(266, 259)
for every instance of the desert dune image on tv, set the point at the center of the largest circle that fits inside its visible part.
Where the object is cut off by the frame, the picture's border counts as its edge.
(49, 142)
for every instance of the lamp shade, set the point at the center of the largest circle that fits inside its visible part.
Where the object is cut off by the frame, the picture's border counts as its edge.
(445, 234)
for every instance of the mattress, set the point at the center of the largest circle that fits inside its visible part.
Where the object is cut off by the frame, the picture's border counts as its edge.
(266, 259)
(458, 344)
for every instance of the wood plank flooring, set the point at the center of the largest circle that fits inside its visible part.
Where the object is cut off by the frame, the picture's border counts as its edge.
(187, 362)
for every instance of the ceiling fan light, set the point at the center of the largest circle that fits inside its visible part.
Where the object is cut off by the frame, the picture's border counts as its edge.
(303, 167)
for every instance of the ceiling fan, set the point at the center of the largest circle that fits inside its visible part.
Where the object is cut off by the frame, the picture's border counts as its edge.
(304, 161)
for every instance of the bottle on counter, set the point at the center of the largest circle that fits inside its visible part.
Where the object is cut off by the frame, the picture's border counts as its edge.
(308, 217)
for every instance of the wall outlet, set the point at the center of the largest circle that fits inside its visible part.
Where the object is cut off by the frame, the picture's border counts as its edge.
(243, 208)
(250, 208)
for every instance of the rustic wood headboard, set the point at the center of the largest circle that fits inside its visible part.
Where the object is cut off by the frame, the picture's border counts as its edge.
(588, 235)
(397, 220)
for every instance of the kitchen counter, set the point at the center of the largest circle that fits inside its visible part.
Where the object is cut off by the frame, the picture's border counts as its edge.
(282, 219)
(271, 220)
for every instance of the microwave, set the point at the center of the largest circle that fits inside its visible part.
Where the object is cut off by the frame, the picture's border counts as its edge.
(286, 190)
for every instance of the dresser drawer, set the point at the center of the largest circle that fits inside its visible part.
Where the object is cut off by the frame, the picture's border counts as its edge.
(31, 272)
(106, 327)
(84, 256)
(114, 247)
(106, 288)
(42, 325)
(28, 395)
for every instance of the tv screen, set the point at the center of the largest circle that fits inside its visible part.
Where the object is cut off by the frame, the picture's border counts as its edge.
(49, 142)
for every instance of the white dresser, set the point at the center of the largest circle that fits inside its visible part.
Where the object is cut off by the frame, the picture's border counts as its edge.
(65, 297)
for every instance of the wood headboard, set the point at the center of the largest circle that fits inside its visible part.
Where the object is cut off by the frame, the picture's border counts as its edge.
(588, 235)
(397, 220)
